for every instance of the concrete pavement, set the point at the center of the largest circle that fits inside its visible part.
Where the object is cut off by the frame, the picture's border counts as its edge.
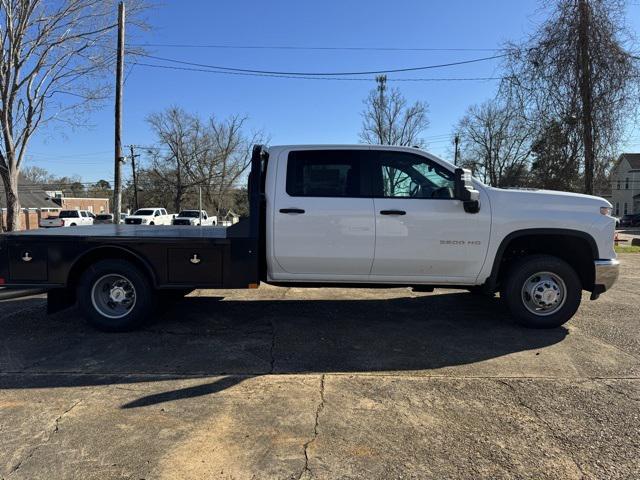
(326, 383)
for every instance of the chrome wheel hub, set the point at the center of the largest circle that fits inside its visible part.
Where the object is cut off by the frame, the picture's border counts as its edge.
(544, 293)
(118, 294)
(113, 296)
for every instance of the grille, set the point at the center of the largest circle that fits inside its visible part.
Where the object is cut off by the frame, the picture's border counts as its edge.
(178, 221)
(133, 221)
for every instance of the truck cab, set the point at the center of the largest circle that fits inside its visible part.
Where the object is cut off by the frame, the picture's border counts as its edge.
(347, 215)
(382, 214)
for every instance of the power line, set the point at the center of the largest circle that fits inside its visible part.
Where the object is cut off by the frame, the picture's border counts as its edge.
(86, 154)
(325, 74)
(292, 47)
(299, 77)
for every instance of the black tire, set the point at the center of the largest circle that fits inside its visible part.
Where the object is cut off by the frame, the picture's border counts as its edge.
(152, 223)
(91, 301)
(73, 225)
(557, 277)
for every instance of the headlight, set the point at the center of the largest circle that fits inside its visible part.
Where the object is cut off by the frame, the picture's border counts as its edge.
(605, 210)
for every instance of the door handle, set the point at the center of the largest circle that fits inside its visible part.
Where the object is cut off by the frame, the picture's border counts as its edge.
(392, 212)
(291, 210)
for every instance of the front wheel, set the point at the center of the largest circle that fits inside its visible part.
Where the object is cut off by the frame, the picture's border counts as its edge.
(115, 296)
(542, 291)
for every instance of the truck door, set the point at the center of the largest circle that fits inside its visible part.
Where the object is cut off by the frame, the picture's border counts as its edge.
(422, 232)
(323, 218)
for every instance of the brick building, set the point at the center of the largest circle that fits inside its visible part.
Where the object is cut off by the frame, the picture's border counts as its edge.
(94, 205)
(34, 205)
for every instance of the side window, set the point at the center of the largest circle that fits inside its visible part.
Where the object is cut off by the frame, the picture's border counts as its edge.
(324, 173)
(163, 212)
(83, 213)
(405, 175)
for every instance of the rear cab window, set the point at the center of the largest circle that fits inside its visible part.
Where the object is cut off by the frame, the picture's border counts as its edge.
(326, 173)
(68, 214)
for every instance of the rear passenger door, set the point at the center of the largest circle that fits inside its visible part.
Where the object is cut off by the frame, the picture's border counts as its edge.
(323, 215)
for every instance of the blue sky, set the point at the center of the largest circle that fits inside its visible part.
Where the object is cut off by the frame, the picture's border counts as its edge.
(291, 110)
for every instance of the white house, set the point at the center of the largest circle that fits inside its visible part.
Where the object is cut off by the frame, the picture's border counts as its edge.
(625, 187)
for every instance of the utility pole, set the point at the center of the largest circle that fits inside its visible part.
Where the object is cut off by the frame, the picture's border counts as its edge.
(135, 178)
(456, 141)
(117, 176)
(200, 202)
(584, 63)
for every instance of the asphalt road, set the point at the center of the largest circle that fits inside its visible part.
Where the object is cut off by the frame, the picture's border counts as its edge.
(326, 384)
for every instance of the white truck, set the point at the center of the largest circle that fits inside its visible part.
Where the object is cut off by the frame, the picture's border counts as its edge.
(194, 217)
(68, 218)
(349, 216)
(149, 216)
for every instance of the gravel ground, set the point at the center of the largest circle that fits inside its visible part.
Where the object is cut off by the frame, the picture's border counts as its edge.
(324, 383)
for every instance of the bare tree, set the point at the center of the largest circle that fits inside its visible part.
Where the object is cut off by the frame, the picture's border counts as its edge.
(387, 120)
(194, 154)
(181, 140)
(575, 70)
(230, 157)
(495, 143)
(54, 57)
(556, 158)
(37, 175)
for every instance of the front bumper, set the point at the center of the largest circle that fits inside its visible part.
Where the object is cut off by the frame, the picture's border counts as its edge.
(606, 274)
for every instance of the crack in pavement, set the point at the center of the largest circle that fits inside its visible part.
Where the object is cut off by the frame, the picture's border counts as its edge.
(55, 429)
(319, 409)
(563, 441)
(272, 324)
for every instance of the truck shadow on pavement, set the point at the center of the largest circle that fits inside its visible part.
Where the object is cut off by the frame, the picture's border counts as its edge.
(238, 339)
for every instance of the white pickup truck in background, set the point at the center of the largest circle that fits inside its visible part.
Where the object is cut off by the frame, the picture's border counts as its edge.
(194, 217)
(68, 218)
(149, 216)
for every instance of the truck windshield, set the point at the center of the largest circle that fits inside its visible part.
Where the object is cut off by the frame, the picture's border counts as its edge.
(69, 214)
(190, 214)
(144, 213)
